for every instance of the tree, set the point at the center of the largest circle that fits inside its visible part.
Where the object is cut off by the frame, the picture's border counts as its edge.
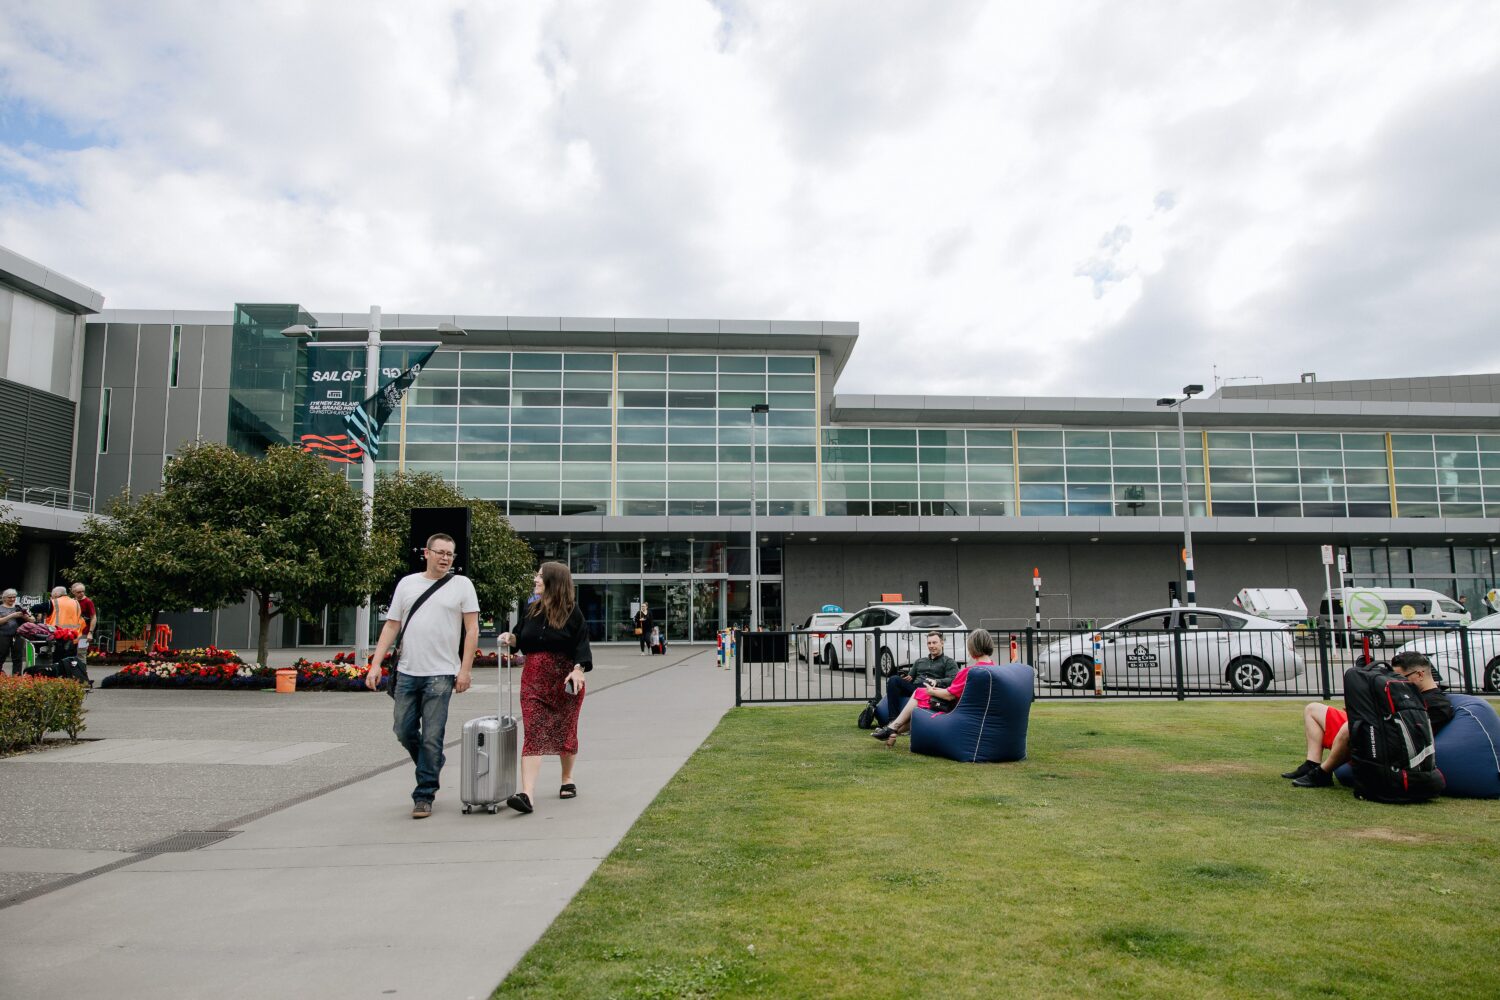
(10, 527)
(285, 528)
(501, 564)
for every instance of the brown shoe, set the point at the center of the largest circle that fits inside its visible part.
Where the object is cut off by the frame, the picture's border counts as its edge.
(421, 810)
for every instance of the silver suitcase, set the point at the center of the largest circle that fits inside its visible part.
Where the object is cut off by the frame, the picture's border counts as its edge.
(490, 757)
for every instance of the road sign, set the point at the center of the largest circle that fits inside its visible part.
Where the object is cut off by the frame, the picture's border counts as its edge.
(1328, 555)
(1365, 609)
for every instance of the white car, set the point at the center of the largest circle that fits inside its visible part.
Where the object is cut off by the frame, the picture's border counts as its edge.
(1219, 646)
(1444, 649)
(885, 636)
(813, 633)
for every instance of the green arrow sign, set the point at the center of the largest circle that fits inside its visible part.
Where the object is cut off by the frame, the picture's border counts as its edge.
(1366, 609)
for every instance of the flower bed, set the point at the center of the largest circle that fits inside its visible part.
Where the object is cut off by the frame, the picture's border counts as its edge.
(212, 655)
(480, 659)
(311, 676)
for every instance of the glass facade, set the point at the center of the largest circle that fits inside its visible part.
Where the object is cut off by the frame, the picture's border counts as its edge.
(1458, 571)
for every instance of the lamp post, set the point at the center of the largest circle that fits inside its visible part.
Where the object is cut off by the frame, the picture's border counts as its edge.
(754, 532)
(1188, 392)
(372, 331)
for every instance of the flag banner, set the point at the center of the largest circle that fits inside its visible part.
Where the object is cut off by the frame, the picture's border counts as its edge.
(365, 421)
(334, 387)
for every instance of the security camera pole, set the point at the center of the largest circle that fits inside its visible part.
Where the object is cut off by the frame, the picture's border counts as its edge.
(1188, 392)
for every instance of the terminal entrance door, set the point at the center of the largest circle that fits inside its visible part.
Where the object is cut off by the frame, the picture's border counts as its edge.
(671, 608)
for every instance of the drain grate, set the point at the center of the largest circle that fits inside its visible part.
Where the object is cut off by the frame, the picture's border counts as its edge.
(190, 840)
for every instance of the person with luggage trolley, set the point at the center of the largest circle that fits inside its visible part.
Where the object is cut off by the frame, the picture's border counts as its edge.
(433, 628)
(555, 639)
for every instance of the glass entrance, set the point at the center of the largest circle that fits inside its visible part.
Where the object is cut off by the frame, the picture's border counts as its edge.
(708, 609)
(670, 608)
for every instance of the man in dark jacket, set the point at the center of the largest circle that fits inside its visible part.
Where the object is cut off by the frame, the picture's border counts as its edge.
(936, 664)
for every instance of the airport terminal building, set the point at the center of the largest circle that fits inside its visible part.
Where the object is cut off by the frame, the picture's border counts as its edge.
(624, 448)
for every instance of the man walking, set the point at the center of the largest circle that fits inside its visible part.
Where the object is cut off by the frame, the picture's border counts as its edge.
(90, 619)
(435, 614)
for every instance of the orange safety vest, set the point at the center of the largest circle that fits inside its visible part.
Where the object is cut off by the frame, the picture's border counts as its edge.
(65, 613)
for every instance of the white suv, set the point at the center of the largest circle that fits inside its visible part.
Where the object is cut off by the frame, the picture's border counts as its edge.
(813, 633)
(887, 636)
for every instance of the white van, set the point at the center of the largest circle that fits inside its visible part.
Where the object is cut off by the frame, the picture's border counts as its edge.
(1406, 609)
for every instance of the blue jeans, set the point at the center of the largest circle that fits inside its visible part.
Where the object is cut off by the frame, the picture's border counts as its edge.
(421, 716)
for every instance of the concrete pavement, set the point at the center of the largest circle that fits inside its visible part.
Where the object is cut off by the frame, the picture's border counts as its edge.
(322, 884)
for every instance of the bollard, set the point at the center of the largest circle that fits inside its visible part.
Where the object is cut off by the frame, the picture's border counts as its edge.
(1015, 651)
(1098, 666)
(286, 681)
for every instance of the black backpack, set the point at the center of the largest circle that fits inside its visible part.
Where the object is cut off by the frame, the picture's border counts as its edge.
(1390, 737)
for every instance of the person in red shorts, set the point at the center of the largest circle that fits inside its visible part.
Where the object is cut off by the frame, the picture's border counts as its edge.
(1327, 727)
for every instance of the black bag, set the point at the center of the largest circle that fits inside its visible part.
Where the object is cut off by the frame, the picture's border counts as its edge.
(390, 684)
(1390, 737)
(867, 716)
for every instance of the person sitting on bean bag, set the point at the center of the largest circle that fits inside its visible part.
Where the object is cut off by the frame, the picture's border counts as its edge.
(940, 699)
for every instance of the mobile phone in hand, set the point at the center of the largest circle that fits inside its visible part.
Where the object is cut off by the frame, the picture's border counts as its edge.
(570, 687)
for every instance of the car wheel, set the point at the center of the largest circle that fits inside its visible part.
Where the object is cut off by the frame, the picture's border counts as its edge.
(830, 657)
(1078, 672)
(1377, 639)
(1249, 674)
(887, 663)
(1492, 675)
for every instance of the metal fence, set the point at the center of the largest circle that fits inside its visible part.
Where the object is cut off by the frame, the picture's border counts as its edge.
(1141, 662)
(52, 497)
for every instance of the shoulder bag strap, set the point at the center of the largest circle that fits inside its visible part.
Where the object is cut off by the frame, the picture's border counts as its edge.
(417, 604)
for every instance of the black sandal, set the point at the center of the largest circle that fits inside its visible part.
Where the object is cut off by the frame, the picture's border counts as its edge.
(568, 791)
(520, 802)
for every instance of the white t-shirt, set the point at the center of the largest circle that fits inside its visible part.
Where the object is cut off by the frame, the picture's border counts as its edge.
(433, 639)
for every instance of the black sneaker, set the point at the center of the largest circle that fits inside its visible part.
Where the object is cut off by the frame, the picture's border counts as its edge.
(1316, 778)
(1302, 768)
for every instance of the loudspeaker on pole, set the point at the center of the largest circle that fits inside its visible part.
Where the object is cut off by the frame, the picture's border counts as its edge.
(429, 521)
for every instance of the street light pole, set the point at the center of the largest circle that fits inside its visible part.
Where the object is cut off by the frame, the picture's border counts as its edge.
(754, 532)
(1188, 392)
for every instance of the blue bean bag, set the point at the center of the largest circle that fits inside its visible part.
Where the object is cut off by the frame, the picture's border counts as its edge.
(1468, 751)
(988, 725)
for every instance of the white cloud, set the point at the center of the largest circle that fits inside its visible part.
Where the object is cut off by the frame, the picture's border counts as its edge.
(1010, 198)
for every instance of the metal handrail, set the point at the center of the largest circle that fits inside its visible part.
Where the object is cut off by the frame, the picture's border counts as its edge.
(52, 496)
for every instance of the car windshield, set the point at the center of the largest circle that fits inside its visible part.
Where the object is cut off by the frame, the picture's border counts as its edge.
(935, 619)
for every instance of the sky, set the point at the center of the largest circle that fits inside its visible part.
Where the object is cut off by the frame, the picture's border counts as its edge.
(1071, 198)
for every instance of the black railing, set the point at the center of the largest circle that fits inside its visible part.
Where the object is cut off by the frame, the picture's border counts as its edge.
(1101, 663)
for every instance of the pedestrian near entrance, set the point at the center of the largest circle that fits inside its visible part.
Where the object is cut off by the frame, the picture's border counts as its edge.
(555, 639)
(90, 618)
(435, 614)
(12, 646)
(643, 624)
(64, 612)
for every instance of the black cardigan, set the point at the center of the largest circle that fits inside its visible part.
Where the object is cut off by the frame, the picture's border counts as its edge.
(534, 635)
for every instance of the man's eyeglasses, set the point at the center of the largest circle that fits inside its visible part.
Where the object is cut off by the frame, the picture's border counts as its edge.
(441, 554)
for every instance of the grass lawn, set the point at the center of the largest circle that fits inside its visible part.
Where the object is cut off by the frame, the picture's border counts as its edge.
(1144, 850)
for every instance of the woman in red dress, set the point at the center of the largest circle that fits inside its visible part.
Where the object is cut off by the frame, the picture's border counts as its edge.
(555, 640)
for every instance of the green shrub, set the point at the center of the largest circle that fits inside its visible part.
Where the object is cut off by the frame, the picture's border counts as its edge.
(32, 707)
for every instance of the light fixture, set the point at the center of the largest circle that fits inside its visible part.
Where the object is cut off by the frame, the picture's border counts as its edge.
(953, 538)
(1250, 539)
(1385, 539)
(1447, 539)
(814, 538)
(1095, 538)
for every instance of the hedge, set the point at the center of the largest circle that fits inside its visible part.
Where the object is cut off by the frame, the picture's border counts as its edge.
(31, 707)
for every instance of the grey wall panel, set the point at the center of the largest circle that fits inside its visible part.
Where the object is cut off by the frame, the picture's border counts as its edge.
(93, 354)
(1110, 581)
(113, 472)
(216, 353)
(119, 354)
(190, 629)
(88, 441)
(150, 420)
(155, 352)
(7, 303)
(996, 582)
(813, 575)
(145, 473)
(63, 337)
(190, 358)
(182, 419)
(215, 415)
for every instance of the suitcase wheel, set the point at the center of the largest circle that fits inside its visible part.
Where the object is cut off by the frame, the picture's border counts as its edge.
(466, 810)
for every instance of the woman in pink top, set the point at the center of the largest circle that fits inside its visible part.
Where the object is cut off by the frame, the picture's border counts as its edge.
(938, 699)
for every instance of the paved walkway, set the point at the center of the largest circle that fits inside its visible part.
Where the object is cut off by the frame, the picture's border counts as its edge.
(339, 893)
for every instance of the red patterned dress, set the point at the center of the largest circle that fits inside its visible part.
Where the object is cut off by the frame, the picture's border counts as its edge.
(549, 714)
